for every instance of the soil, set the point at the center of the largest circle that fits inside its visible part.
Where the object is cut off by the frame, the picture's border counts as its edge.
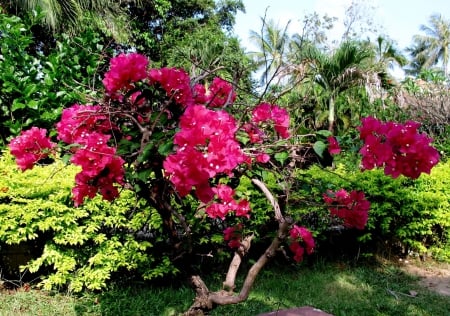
(433, 276)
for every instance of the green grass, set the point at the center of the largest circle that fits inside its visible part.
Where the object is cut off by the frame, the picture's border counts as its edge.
(338, 289)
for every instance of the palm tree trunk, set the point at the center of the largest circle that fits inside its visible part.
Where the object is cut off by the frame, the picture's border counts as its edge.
(331, 114)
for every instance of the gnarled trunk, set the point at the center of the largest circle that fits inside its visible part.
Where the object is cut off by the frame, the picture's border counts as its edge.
(206, 300)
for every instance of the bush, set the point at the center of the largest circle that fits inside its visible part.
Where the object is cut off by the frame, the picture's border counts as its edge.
(81, 246)
(34, 88)
(405, 215)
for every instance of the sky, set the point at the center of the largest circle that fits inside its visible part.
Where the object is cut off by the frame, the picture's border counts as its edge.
(400, 19)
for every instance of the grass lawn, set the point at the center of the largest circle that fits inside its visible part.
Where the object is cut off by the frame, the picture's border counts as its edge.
(335, 288)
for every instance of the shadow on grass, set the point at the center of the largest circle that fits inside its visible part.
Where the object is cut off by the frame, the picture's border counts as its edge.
(335, 288)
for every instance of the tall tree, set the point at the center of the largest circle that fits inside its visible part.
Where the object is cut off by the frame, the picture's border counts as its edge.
(271, 43)
(387, 55)
(359, 20)
(433, 47)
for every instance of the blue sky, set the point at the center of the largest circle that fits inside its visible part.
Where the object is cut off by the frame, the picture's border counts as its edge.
(400, 19)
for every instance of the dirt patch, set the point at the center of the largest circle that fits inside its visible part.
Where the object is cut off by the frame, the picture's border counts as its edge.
(435, 277)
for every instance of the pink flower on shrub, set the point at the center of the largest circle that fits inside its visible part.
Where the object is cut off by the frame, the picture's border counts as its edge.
(30, 146)
(226, 204)
(206, 146)
(262, 158)
(88, 184)
(176, 83)
(233, 235)
(78, 121)
(279, 117)
(255, 134)
(220, 93)
(399, 148)
(301, 240)
(352, 208)
(125, 69)
(333, 146)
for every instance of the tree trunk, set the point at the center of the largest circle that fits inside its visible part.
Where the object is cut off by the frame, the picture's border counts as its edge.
(331, 114)
(206, 300)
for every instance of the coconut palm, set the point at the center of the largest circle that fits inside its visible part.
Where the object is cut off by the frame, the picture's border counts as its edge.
(271, 45)
(433, 46)
(337, 72)
(387, 55)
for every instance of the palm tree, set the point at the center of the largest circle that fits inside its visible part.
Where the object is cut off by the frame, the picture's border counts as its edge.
(387, 55)
(271, 43)
(338, 72)
(433, 46)
(74, 15)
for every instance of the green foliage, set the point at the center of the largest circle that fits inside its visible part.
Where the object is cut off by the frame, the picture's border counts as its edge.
(414, 214)
(84, 246)
(34, 87)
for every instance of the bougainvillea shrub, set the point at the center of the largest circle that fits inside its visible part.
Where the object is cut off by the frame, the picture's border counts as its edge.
(173, 141)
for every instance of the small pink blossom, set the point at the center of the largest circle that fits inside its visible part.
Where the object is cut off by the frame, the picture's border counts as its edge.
(30, 146)
(333, 146)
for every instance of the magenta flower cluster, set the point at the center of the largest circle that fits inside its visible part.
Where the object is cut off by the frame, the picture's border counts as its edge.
(301, 240)
(352, 208)
(88, 130)
(30, 146)
(399, 148)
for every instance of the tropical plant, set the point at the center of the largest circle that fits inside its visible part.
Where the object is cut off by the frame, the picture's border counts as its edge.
(387, 55)
(34, 87)
(271, 43)
(74, 16)
(337, 72)
(433, 46)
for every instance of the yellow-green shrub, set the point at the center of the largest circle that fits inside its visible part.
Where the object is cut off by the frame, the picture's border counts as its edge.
(83, 245)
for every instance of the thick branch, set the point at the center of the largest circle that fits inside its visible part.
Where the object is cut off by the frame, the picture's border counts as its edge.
(269, 196)
(220, 299)
(206, 300)
(230, 279)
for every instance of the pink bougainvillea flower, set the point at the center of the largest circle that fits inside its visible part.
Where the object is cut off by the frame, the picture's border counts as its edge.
(176, 83)
(333, 146)
(88, 184)
(78, 121)
(206, 146)
(220, 93)
(255, 134)
(125, 69)
(297, 250)
(233, 235)
(303, 234)
(352, 208)
(399, 148)
(279, 117)
(30, 146)
(226, 204)
(262, 113)
(262, 158)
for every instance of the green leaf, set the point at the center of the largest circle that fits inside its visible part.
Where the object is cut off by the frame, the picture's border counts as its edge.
(281, 157)
(33, 104)
(319, 147)
(17, 105)
(166, 148)
(145, 153)
(324, 133)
